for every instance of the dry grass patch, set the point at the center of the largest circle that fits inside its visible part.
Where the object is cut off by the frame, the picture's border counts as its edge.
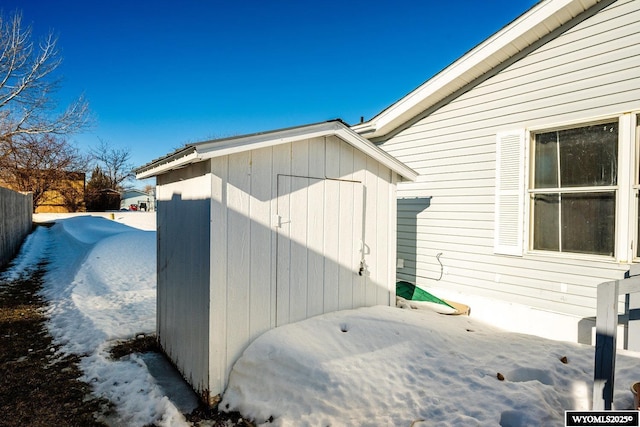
(38, 387)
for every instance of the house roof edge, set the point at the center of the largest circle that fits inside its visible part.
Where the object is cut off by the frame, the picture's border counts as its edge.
(537, 22)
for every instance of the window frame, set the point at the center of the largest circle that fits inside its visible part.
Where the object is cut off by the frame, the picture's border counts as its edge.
(617, 189)
(634, 222)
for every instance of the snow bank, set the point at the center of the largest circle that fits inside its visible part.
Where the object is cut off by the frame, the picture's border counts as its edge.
(101, 287)
(140, 220)
(384, 366)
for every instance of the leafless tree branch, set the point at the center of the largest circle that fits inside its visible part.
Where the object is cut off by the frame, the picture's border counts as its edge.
(114, 162)
(27, 85)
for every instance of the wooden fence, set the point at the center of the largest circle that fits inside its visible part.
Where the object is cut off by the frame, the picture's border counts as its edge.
(16, 215)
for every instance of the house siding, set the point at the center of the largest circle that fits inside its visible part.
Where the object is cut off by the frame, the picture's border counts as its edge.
(589, 71)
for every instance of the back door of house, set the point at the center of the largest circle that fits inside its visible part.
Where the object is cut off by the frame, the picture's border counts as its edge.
(319, 225)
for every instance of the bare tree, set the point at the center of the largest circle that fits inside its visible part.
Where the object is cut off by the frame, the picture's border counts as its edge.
(114, 162)
(27, 85)
(47, 166)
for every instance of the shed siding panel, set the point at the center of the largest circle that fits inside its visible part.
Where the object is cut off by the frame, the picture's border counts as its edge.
(218, 274)
(299, 210)
(381, 257)
(183, 270)
(589, 71)
(261, 235)
(359, 236)
(392, 226)
(371, 203)
(315, 229)
(330, 220)
(282, 166)
(346, 245)
(238, 253)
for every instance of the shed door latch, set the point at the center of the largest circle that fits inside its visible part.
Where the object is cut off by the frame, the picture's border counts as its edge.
(278, 221)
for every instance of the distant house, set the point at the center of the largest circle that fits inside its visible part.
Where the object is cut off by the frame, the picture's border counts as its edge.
(262, 230)
(67, 196)
(528, 153)
(53, 191)
(137, 200)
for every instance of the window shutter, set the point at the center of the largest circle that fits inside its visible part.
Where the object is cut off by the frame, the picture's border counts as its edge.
(509, 208)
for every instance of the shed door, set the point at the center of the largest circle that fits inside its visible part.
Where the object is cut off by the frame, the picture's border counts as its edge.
(319, 246)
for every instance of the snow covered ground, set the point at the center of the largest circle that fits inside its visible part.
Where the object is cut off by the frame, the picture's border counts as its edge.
(101, 287)
(377, 366)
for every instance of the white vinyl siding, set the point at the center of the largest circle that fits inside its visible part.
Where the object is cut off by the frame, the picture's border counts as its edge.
(589, 72)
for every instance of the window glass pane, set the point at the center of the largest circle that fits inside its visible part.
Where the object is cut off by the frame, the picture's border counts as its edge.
(588, 155)
(545, 218)
(546, 160)
(588, 223)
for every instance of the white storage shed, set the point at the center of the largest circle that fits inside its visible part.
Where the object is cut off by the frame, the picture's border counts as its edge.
(261, 230)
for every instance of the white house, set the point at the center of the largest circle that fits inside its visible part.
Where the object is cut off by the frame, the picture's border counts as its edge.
(261, 230)
(137, 199)
(527, 149)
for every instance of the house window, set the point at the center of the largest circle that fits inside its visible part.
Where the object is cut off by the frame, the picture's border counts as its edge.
(574, 189)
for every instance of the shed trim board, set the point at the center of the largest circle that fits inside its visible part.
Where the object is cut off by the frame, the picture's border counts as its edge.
(562, 65)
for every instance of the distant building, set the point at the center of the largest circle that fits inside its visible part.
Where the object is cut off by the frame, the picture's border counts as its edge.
(137, 200)
(65, 195)
(68, 196)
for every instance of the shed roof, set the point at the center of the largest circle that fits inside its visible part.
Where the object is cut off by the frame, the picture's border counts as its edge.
(200, 151)
(530, 28)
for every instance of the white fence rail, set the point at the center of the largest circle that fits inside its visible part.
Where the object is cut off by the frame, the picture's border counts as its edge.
(607, 320)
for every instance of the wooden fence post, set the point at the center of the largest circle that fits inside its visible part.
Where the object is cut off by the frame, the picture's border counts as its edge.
(605, 354)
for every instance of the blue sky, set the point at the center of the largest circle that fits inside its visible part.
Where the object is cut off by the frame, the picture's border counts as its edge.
(159, 74)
